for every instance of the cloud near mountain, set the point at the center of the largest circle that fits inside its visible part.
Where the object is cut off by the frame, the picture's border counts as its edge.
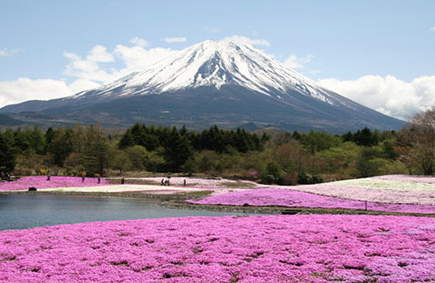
(387, 95)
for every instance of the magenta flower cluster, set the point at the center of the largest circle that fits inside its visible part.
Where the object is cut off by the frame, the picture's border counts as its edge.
(289, 198)
(41, 182)
(302, 248)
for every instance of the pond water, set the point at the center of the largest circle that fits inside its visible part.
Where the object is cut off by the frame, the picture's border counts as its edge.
(22, 211)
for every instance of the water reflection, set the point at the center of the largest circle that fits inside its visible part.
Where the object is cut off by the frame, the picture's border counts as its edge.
(33, 210)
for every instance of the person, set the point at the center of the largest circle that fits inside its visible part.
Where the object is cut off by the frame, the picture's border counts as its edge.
(83, 179)
(122, 181)
(99, 180)
(48, 177)
(163, 182)
(184, 183)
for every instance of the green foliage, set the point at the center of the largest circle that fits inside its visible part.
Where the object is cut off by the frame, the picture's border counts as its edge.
(305, 178)
(211, 139)
(190, 166)
(7, 157)
(154, 161)
(318, 141)
(96, 151)
(61, 145)
(138, 157)
(369, 163)
(177, 150)
(339, 158)
(120, 160)
(272, 174)
(364, 137)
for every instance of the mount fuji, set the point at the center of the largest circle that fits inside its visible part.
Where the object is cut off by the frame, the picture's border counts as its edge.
(220, 83)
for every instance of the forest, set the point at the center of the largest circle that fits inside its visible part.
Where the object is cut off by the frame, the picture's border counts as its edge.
(266, 156)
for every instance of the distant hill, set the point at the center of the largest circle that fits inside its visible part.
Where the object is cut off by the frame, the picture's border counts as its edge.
(5, 120)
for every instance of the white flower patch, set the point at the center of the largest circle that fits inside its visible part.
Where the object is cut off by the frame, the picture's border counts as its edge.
(384, 184)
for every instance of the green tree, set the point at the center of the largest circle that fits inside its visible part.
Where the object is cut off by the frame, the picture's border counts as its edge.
(177, 150)
(155, 161)
(190, 166)
(37, 140)
(120, 160)
(318, 141)
(138, 156)
(366, 137)
(7, 157)
(61, 145)
(368, 163)
(339, 161)
(96, 155)
(272, 173)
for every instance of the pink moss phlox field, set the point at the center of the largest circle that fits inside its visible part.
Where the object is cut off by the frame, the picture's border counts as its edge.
(40, 182)
(289, 198)
(279, 248)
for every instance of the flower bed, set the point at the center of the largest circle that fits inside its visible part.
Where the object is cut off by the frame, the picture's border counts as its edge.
(289, 198)
(40, 182)
(302, 248)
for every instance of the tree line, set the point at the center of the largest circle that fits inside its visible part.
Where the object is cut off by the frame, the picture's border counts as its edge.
(268, 156)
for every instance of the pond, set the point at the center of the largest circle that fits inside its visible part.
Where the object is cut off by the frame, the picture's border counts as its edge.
(22, 211)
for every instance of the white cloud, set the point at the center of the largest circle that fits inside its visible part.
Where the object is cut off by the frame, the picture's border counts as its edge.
(388, 95)
(4, 53)
(99, 54)
(174, 39)
(295, 62)
(89, 68)
(139, 42)
(137, 58)
(432, 28)
(7, 52)
(24, 89)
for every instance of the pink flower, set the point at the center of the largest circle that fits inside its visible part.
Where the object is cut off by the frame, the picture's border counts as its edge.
(301, 248)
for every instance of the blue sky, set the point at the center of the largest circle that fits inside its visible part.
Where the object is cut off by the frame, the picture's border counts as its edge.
(380, 53)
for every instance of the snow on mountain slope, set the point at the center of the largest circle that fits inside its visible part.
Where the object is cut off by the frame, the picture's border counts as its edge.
(218, 63)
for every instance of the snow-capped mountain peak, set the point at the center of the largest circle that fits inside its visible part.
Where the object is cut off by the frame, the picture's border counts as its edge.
(216, 63)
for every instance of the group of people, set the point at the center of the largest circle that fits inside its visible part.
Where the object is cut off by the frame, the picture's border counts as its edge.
(165, 181)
